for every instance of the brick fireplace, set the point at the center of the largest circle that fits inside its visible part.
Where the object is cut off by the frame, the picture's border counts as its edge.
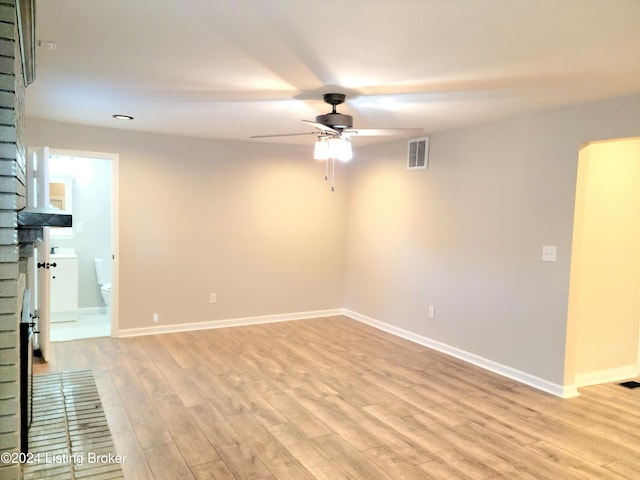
(13, 259)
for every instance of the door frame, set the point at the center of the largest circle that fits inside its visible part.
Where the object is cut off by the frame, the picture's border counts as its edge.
(37, 172)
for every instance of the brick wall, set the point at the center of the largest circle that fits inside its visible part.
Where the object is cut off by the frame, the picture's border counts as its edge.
(12, 199)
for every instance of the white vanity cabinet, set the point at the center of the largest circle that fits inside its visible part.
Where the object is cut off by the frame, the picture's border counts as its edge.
(64, 287)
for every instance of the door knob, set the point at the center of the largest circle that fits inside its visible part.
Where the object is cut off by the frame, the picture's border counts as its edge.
(47, 265)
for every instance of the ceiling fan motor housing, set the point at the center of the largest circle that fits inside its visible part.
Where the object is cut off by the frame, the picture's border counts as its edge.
(335, 120)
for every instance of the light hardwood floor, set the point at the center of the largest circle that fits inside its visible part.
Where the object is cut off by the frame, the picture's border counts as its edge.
(334, 399)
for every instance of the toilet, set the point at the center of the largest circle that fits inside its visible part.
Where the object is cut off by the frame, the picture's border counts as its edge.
(104, 281)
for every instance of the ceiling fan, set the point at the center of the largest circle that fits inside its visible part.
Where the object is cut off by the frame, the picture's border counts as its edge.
(335, 124)
(334, 131)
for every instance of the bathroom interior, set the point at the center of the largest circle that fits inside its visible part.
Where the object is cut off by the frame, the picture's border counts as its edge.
(81, 279)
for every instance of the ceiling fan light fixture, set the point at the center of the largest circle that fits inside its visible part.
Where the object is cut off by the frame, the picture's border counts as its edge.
(340, 149)
(321, 149)
(337, 148)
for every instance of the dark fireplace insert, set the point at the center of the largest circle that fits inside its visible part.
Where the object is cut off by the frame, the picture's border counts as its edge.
(26, 370)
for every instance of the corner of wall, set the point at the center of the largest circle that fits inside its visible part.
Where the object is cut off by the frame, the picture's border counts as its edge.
(563, 391)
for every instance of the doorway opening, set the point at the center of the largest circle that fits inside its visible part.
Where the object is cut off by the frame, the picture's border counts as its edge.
(82, 286)
(604, 300)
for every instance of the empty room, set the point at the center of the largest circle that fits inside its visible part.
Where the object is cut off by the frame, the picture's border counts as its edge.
(291, 240)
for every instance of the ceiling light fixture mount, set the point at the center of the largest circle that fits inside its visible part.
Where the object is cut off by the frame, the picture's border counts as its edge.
(119, 116)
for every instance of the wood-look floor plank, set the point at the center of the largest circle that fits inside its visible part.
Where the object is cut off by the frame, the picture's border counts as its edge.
(183, 381)
(481, 452)
(179, 349)
(280, 462)
(337, 421)
(441, 470)
(212, 471)
(350, 458)
(255, 404)
(166, 463)
(213, 425)
(585, 444)
(317, 462)
(140, 410)
(219, 390)
(134, 465)
(189, 439)
(623, 470)
(352, 388)
(544, 465)
(297, 372)
(297, 414)
(335, 399)
(573, 461)
(153, 347)
(393, 464)
(243, 463)
(391, 439)
(435, 445)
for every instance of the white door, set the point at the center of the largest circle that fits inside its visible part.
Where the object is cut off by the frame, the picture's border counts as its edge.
(39, 282)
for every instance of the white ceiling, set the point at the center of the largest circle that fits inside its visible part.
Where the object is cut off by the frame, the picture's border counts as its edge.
(232, 69)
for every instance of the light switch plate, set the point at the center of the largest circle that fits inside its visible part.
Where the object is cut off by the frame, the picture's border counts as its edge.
(549, 253)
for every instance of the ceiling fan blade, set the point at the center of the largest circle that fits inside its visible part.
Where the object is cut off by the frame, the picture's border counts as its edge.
(378, 132)
(322, 127)
(283, 135)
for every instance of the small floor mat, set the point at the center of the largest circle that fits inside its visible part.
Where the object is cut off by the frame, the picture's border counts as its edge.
(69, 437)
(632, 384)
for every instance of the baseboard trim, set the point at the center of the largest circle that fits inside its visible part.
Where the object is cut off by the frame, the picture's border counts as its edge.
(91, 311)
(606, 376)
(565, 391)
(512, 373)
(234, 322)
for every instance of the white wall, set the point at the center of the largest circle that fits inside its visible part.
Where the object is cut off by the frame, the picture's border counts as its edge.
(466, 235)
(254, 223)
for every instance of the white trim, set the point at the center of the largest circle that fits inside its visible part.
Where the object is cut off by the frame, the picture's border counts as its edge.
(115, 246)
(91, 311)
(638, 361)
(235, 322)
(517, 375)
(606, 376)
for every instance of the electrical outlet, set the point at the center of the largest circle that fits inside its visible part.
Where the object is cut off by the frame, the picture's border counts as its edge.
(432, 311)
(549, 253)
(155, 318)
(213, 298)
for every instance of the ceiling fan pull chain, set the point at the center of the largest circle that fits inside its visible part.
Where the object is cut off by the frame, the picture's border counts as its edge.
(326, 169)
(333, 174)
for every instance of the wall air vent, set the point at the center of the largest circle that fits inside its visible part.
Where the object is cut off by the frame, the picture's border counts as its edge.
(418, 154)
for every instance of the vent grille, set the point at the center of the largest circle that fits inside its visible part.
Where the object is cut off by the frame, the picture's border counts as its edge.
(418, 154)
